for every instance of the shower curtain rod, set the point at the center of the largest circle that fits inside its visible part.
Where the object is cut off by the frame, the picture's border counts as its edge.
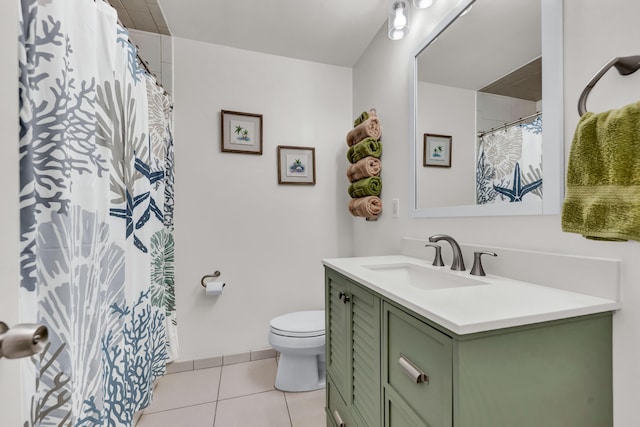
(140, 60)
(506, 125)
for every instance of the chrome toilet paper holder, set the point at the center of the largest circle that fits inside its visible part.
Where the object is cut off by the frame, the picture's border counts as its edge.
(210, 276)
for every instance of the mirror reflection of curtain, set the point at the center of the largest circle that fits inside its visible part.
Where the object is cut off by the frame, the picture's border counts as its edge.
(509, 164)
(96, 219)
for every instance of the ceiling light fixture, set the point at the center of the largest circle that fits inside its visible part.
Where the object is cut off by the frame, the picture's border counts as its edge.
(399, 16)
(398, 22)
(423, 4)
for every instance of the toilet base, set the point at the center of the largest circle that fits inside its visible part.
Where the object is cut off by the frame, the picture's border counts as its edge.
(300, 373)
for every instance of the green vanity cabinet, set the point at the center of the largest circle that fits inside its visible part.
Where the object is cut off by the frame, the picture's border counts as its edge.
(417, 371)
(352, 354)
(399, 369)
(552, 374)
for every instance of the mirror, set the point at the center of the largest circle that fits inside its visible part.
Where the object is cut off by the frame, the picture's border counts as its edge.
(487, 112)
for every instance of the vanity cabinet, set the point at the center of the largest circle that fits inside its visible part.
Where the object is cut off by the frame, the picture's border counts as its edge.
(390, 367)
(352, 354)
(417, 372)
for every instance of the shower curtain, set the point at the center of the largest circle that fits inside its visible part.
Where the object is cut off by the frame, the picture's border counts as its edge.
(96, 217)
(509, 164)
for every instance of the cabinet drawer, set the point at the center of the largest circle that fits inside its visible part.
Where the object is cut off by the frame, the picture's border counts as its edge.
(414, 349)
(336, 408)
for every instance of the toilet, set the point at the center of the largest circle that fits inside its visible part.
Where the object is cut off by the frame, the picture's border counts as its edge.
(300, 338)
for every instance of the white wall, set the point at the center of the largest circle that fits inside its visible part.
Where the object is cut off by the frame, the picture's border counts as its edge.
(594, 32)
(231, 214)
(446, 110)
(10, 388)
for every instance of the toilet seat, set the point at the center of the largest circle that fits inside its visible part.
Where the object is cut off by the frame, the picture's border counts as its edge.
(300, 324)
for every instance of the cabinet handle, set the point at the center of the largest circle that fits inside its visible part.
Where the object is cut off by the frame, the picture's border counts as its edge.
(412, 371)
(337, 418)
(344, 297)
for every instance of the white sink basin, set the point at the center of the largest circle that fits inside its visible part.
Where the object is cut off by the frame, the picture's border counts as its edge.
(422, 277)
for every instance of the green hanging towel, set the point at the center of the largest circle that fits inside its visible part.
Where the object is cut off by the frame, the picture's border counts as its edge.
(371, 186)
(603, 176)
(366, 147)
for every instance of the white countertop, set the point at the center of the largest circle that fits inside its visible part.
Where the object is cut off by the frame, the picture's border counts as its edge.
(498, 303)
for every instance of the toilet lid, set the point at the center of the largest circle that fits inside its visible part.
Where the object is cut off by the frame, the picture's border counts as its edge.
(299, 324)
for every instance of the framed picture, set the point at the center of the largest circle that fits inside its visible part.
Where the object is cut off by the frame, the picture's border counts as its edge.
(241, 132)
(437, 150)
(296, 165)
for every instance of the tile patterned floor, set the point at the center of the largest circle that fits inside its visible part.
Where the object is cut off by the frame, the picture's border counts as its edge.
(238, 395)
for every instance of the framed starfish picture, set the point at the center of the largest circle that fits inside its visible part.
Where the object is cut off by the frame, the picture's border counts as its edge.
(437, 150)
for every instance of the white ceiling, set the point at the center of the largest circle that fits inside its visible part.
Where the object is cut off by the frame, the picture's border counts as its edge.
(329, 31)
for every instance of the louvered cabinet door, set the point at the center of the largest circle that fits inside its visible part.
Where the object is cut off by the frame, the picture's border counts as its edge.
(337, 330)
(365, 360)
(353, 353)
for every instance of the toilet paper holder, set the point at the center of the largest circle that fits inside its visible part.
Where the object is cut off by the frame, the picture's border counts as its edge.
(209, 276)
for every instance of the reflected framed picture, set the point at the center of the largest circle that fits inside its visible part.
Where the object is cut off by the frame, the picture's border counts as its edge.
(296, 165)
(241, 132)
(437, 150)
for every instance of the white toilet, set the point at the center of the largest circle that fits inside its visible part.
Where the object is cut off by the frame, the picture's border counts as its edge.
(299, 337)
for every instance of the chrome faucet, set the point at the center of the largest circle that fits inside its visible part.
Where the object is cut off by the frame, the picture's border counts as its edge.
(458, 262)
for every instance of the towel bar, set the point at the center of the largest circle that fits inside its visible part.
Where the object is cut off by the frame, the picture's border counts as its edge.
(624, 64)
(209, 276)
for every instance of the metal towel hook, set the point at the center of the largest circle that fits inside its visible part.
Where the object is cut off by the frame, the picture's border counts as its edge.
(209, 276)
(624, 64)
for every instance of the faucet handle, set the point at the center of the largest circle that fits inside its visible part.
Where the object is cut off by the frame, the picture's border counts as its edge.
(477, 269)
(437, 260)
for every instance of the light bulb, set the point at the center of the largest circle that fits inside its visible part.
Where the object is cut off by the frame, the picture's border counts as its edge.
(398, 21)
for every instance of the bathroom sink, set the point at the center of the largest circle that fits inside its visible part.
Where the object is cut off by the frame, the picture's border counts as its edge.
(422, 277)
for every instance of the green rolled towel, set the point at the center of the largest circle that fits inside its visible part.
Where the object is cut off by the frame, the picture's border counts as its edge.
(366, 147)
(603, 176)
(371, 186)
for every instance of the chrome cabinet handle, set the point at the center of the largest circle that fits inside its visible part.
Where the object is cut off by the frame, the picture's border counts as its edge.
(412, 371)
(344, 297)
(337, 418)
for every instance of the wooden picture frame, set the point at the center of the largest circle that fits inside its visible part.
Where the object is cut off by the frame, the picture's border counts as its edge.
(241, 132)
(437, 150)
(296, 165)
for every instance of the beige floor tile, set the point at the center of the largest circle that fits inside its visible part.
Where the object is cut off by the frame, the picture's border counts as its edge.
(192, 416)
(247, 378)
(185, 389)
(307, 409)
(267, 409)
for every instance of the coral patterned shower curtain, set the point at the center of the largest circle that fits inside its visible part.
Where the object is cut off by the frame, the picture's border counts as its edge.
(509, 164)
(96, 217)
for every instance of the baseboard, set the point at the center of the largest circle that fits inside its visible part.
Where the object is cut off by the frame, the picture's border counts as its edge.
(216, 361)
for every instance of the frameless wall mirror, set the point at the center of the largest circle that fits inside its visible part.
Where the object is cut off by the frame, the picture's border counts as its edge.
(487, 112)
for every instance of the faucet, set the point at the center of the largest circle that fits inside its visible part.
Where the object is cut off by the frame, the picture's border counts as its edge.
(458, 262)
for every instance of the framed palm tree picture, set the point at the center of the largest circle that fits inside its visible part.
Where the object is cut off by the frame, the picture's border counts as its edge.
(437, 150)
(241, 132)
(296, 165)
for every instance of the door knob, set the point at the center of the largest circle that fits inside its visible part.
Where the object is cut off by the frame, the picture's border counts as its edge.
(23, 340)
